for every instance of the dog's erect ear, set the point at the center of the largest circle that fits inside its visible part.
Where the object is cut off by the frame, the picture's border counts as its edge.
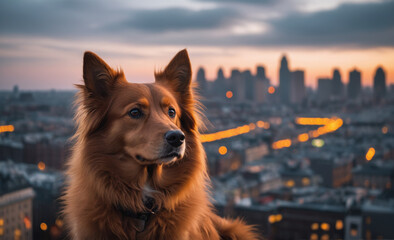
(98, 76)
(177, 76)
(178, 73)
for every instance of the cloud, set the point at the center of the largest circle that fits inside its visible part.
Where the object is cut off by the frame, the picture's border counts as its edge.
(261, 2)
(350, 24)
(61, 18)
(177, 19)
(368, 24)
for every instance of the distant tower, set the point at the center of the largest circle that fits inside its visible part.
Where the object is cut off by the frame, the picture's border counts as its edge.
(202, 81)
(379, 84)
(337, 85)
(261, 84)
(219, 86)
(260, 75)
(354, 85)
(15, 92)
(284, 81)
(249, 85)
(297, 87)
(324, 89)
(236, 85)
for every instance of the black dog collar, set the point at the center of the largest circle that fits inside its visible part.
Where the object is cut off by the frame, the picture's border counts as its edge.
(141, 218)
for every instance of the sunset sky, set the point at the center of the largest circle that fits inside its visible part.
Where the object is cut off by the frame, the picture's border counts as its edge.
(42, 41)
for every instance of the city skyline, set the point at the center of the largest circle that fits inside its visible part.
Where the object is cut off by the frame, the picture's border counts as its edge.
(42, 42)
(211, 75)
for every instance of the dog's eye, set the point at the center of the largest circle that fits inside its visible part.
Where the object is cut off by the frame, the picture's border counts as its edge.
(171, 112)
(135, 113)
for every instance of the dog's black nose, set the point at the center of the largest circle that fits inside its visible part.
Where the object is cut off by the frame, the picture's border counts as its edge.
(175, 137)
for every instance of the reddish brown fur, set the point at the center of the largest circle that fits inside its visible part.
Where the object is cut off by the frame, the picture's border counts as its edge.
(103, 171)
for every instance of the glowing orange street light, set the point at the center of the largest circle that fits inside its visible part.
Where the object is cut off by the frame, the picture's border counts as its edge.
(260, 124)
(271, 90)
(222, 150)
(43, 226)
(41, 166)
(370, 154)
(7, 128)
(281, 144)
(303, 137)
(229, 94)
(329, 125)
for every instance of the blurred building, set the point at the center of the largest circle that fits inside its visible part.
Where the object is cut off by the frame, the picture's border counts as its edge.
(324, 89)
(334, 171)
(374, 175)
(354, 85)
(261, 83)
(321, 214)
(45, 148)
(249, 83)
(246, 186)
(297, 87)
(16, 214)
(202, 82)
(260, 73)
(39, 216)
(294, 175)
(284, 81)
(219, 85)
(16, 205)
(254, 153)
(337, 85)
(11, 149)
(238, 85)
(379, 84)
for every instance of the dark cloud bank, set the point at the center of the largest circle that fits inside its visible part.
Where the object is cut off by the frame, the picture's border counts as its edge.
(360, 25)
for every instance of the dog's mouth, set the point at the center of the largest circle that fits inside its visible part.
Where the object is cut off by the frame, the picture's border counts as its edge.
(166, 159)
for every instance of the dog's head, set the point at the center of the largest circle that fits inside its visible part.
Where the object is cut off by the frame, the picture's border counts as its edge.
(144, 123)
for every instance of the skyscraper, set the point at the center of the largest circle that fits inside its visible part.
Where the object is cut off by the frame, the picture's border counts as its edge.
(202, 81)
(337, 85)
(354, 85)
(297, 87)
(219, 86)
(260, 74)
(249, 85)
(284, 81)
(261, 84)
(236, 85)
(324, 89)
(379, 84)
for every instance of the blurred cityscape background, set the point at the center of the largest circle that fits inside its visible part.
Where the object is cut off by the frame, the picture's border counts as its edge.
(300, 117)
(300, 163)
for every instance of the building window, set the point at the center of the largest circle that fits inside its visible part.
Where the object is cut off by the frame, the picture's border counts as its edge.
(325, 226)
(305, 181)
(315, 226)
(353, 230)
(368, 235)
(339, 225)
(325, 237)
(290, 183)
(314, 236)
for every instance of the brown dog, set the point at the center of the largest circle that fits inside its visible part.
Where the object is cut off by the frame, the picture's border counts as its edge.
(138, 169)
